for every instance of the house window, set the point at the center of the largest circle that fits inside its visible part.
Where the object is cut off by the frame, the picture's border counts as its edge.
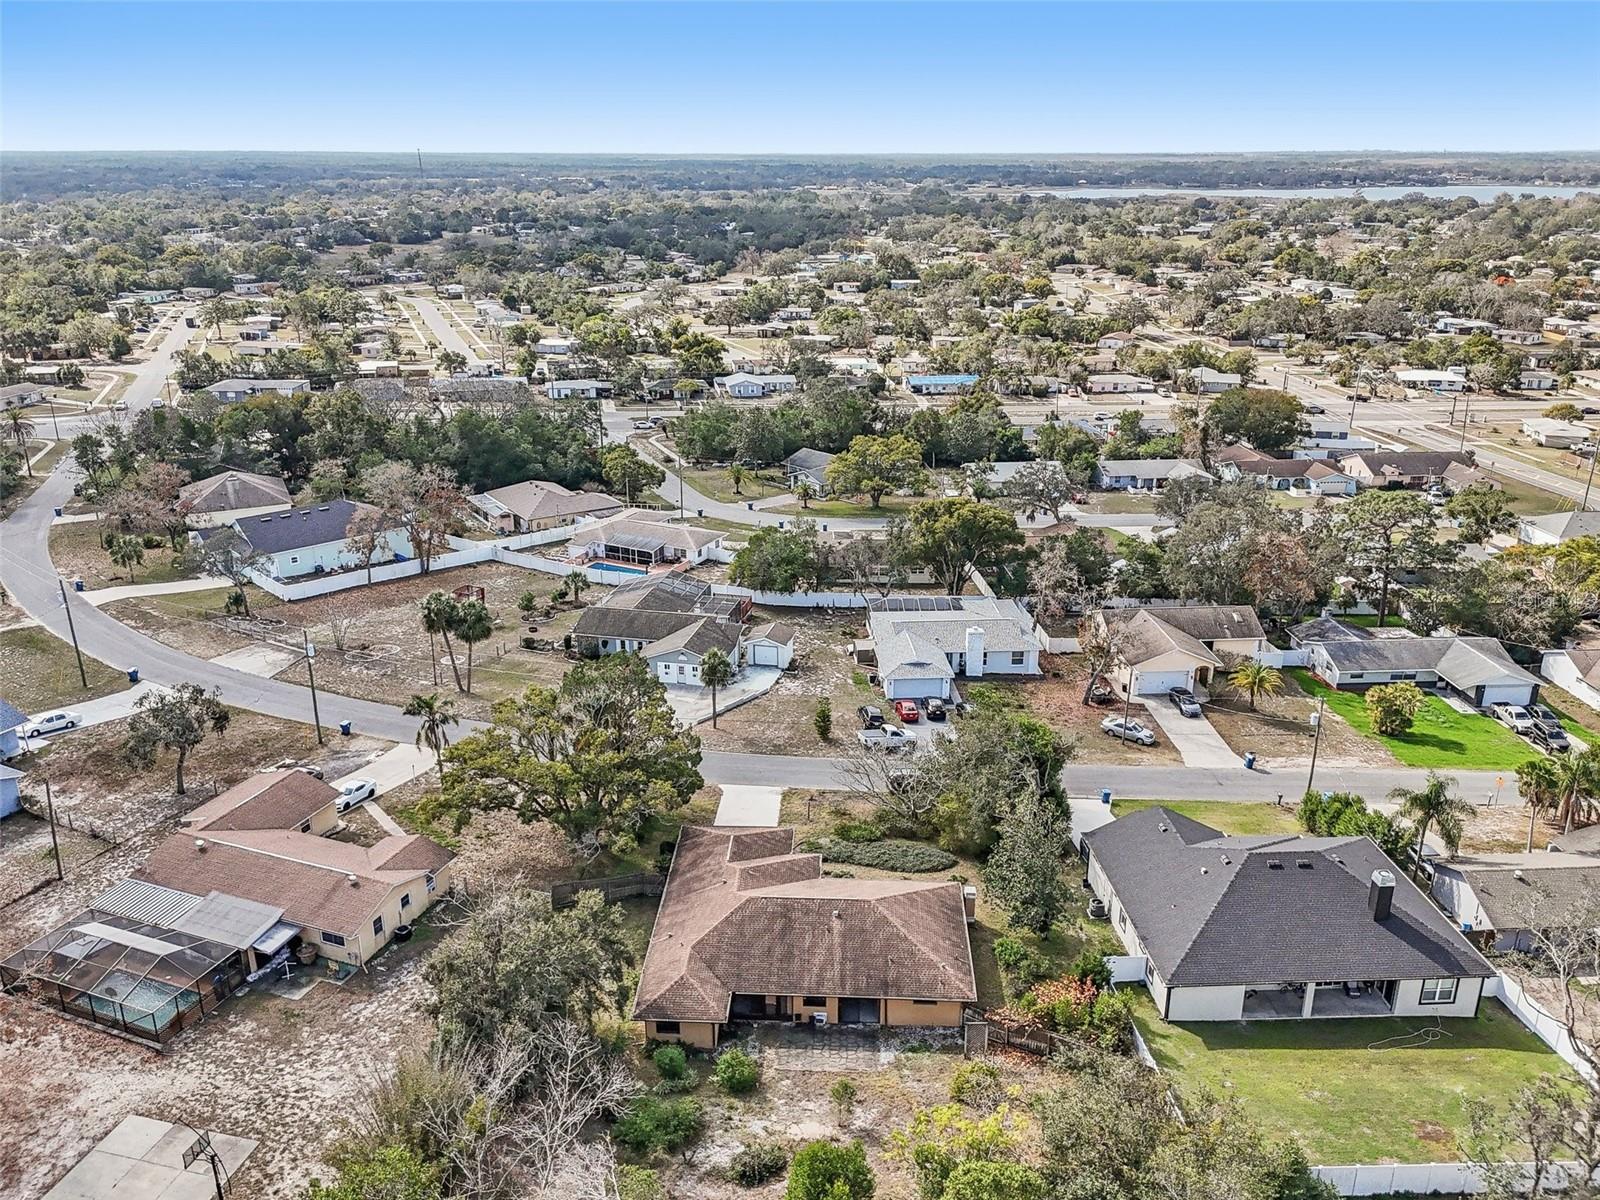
(1438, 991)
(667, 1027)
(428, 879)
(305, 827)
(377, 926)
(405, 900)
(333, 939)
(1354, 675)
(813, 1002)
(294, 558)
(1018, 657)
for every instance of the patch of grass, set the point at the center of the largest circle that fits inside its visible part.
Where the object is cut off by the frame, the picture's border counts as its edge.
(717, 483)
(78, 550)
(1321, 1082)
(1440, 736)
(1239, 820)
(1576, 716)
(888, 507)
(1370, 620)
(41, 671)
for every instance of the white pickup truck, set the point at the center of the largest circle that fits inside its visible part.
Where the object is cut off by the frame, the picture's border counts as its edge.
(889, 739)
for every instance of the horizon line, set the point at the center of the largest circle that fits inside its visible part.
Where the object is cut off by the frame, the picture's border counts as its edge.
(693, 154)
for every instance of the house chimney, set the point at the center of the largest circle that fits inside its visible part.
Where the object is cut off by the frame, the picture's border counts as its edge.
(974, 651)
(1380, 896)
(969, 901)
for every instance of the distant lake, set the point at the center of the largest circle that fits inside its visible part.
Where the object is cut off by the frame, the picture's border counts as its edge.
(1481, 192)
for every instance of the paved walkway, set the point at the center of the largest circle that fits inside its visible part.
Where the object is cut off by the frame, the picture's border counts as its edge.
(1194, 738)
(132, 591)
(787, 1048)
(748, 804)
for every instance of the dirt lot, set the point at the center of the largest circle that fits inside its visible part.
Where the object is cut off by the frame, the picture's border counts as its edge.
(780, 722)
(387, 655)
(1057, 699)
(1280, 732)
(77, 552)
(39, 670)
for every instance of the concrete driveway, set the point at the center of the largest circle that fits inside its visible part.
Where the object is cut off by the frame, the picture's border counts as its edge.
(748, 805)
(692, 705)
(1194, 738)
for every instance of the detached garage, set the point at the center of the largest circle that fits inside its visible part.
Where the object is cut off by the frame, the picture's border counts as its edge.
(770, 645)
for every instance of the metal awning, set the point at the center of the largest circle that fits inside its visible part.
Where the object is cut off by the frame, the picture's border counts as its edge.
(276, 938)
(230, 920)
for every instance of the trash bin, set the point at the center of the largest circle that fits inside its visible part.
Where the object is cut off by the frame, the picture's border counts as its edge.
(1250, 761)
(750, 505)
(77, 585)
(344, 728)
(1105, 796)
(58, 510)
(133, 674)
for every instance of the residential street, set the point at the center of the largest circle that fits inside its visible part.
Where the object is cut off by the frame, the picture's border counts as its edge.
(443, 330)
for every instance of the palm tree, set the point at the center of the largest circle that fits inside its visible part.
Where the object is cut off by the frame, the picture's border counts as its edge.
(804, 490)
(577, 584)
(438, 617)
(127, 551)
(736, 476)
(1434, 803)
(437, 713)
(1540, 785)
(21, 432)
(716, 671)
(472, 624)
(1255, 678)
(1577, 778)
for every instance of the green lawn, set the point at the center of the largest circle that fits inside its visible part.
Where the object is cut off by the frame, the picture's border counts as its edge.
(1578, 718)
(1241, 820)
(1370, 620)
(40, 671)
(889, 506)
(718, 484)
(1440, 736)
(1346, 1102)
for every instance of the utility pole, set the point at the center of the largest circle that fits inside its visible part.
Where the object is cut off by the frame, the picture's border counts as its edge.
(1316, 741)
(311, 673)
(72, 629)
(1466, 416)
(1593, 458)
(55, 847)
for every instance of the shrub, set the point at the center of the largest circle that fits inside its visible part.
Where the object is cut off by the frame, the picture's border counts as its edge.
(1393, 706)
(843, 1095)
(977, 1085)
(639, 1183)
(822, 721)
(857, 832)
(153, 541)
(891, 854)
(1021, 965)
(671, 1062)
(1092, 966)
(736, 1072)
(654, 1124)
(823, 1171)
(758, 1163)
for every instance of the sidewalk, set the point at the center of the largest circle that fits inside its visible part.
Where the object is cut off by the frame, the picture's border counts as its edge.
(133, 590)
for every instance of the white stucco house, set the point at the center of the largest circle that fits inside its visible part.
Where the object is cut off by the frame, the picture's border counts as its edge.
(1276, 927)
(1350, 658)
(313, 541)
(1497, 900)
(745, 385)
(923, 644)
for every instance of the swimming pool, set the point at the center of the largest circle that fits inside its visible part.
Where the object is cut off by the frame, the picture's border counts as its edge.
(619, 569)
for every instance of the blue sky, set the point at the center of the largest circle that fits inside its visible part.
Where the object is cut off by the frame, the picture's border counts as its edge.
(976, 78)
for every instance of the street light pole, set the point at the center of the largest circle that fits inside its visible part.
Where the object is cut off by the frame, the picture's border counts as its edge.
(1316, 741)
(83, 676)
(311, 674)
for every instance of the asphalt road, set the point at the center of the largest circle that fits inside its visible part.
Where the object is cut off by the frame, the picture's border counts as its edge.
(443, 330)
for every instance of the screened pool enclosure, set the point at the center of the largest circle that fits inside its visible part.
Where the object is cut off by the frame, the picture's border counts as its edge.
(141, 979)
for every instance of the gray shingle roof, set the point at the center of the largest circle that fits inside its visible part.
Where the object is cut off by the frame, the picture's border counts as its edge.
(1517, 890)
(300, 527)
(234, 489)
(1463, 661)
(11, 716)
(1215, 911)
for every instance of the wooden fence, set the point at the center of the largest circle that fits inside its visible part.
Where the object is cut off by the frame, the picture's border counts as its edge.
(617, 887)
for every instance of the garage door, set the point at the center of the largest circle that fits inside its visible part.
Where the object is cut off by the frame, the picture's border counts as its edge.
(1507, 693)
(764, 655)
(918, 689)
(1156, 683)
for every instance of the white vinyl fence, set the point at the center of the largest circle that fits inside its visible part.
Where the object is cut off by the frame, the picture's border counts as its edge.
(1531, 1013)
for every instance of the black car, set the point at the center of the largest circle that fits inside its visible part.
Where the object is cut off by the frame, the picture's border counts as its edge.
(1551, 737)
(1183, 700)
(934, 707)
(871, 717)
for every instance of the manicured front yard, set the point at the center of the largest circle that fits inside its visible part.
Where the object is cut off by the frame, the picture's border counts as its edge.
(1347, 1091)
(1440, 736)
(1240, 820)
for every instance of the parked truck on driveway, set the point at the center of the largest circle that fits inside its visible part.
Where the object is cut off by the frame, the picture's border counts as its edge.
(889, 739)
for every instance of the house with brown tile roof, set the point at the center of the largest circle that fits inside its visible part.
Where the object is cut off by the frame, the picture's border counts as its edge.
(283, 799)
(750, 930)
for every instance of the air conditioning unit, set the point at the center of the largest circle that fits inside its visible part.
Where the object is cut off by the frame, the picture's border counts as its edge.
(819, 1020)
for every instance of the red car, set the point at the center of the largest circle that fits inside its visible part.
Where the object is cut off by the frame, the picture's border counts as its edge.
(906, 710)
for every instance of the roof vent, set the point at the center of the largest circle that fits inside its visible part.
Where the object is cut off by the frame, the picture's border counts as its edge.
(1205, 870)
(837, 915)
(1274, 865)
(1226, 861)
(200, 845)
(1303, 863)
(352, 880)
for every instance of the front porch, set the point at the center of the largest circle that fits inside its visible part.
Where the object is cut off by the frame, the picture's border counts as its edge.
(1319, 1001)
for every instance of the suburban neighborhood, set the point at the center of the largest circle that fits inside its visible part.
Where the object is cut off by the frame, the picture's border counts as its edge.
(651, 676)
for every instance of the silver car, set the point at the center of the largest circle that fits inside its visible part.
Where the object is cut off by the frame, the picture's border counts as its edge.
(1128, 731)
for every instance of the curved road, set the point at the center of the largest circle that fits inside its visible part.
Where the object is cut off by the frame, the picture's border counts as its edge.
(32, 580)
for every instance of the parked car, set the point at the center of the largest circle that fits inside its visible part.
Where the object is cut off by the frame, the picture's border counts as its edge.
(353, 791)
(907, 711)
(51, 722)
(1183, 700)
(935, 708)
(890, 739)
(1102, 415)
(1514, 715)
(1552, 738)
(871, 717)
(1315, 410)
(1544, 714)
(643, 426)
(1128, 731)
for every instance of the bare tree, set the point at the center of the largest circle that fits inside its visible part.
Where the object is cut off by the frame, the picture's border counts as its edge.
(1101, 643)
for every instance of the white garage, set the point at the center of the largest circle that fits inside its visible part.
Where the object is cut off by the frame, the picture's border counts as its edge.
(916, 688)
(1158, 683)
(770, 645)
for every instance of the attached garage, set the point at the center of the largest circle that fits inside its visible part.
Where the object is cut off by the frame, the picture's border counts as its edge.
(917, 688)
(1505, 693)
(1158, 683)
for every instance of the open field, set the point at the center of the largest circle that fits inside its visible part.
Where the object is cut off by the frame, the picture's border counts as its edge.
(41, 671)
(77, 552)
(1355, 1091)
(1440, 737)
(1239, 820)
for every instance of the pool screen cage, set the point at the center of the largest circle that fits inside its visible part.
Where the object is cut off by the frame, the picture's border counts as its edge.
(144, 981)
